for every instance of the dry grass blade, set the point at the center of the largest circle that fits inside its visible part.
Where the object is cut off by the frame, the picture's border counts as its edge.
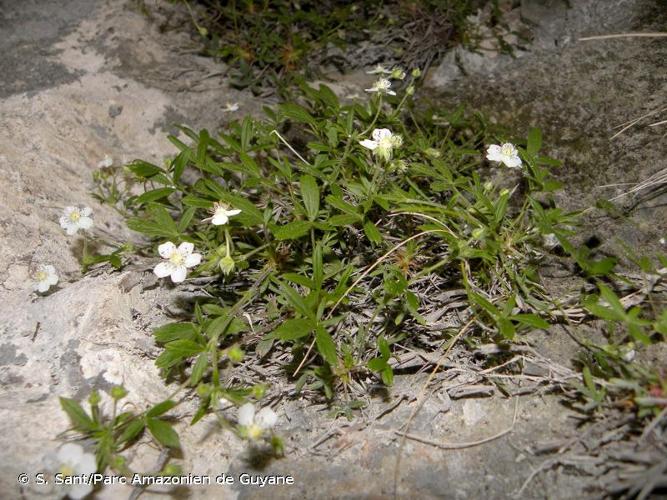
(657, 34)
(632, 123)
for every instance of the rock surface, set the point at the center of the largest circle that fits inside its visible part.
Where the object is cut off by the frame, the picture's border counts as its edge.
(80, 79)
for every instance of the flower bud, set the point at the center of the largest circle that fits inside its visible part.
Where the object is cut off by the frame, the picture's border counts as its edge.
(227, 264)
(235, 354)
(118, 392)
(94, 398)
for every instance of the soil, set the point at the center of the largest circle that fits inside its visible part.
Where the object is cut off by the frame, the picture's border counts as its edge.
(80, 79)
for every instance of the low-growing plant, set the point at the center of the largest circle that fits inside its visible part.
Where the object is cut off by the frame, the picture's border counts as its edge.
(322, 214)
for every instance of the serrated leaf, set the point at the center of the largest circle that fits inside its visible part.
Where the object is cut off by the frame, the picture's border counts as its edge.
(534, 141)
(174, 331)
(293, 230)
(163, 432)
(77, 415)
(199, 368)
(531, 320)
(310, 193)
(131, 431)
(161, 408)
(377, 364)
(326, 346)
(293, 329)
(372, 232)
(153, 195)
(143, 169)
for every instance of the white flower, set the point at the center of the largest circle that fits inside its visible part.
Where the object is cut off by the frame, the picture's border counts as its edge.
(256, 424)
(74, 461)
(662, 241)
(106, 162)
(45, 277)
(230, 107)
(506, 154)
(177, 260)
(382, 86)
(221, 214)
(383, 143)
(379, 70)
(76, 218)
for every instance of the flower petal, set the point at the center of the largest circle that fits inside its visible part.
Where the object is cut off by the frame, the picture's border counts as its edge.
(246, 415)
(493, 153)
(163, 269)
(233, 212)
(219, 219)
(87, 464)
(42, 286)
(367, 143)
(512, 161)
(185, 248)
(79, 491)
(85, 222)
(266, 418)
(179, 273)
(192, 260)
(381, 133)
(86, 211)
(166, 249)
(70, 453)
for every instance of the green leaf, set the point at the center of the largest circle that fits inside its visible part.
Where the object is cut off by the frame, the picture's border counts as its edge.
(179, 164)
(531, 320)
(342, 205)
(143, 169)
(199, 368)
(310, 193)
(186, 218)
(132, 430)
(176, 352)
(387, 375)
(506, 328)
(174, 331)
(153, 195)
(344, 220)
(163, 432)
(298, 114)
(293, 230)
(326, 346)
(377, 364)
(383, 345)
(77, 415)
(295, 299)
(372, 232)
(534, 141)
(160, 408)
(293, 329)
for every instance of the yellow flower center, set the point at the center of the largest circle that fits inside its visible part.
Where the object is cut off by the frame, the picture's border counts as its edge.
(40, 275)
(255, 432)
(507, 150)
(177, 259)
(67, 470)
(75, 216)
